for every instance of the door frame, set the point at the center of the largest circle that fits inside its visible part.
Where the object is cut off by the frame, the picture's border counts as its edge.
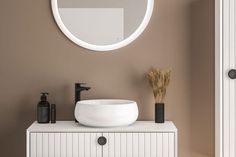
(224, 87)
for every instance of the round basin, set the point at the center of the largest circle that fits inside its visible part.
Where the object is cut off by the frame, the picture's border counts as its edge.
(106, 112)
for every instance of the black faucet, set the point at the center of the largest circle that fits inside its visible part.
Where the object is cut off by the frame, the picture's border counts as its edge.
(78, 89)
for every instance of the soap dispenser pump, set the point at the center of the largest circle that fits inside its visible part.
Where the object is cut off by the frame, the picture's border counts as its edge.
(43, 109)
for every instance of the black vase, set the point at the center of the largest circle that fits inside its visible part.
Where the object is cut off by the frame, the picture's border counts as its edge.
(159, 112)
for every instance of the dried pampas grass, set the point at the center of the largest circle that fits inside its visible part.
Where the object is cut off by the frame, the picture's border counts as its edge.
(159, 80)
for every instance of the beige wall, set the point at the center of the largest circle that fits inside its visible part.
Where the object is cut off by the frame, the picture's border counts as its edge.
(35, 56)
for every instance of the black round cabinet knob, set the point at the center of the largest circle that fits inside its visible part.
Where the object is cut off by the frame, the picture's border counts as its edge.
(102, 140)
(232, 74)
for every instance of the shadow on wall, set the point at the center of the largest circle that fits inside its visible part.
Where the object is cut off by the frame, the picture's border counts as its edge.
(202, 78)
(14, 128)
(13, 134)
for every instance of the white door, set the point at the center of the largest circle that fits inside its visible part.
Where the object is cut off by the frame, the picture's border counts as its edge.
(225, 98)
(65, 145)
(139, 145)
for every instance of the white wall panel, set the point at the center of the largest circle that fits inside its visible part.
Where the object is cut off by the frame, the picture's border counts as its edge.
(109, 24)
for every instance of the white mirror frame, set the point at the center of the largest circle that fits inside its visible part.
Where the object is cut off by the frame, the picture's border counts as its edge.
(86, 45)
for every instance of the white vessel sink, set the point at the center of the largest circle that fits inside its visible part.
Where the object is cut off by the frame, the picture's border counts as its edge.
(106, 112)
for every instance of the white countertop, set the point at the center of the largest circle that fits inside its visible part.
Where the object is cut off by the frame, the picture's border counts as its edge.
(71, 126)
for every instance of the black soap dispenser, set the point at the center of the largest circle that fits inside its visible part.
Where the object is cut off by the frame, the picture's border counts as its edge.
(43, 109)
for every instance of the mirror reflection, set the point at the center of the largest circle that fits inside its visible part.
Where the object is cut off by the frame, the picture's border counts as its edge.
(102, 22)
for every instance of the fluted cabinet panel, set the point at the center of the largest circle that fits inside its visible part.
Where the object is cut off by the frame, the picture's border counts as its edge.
(65, 145)
(139, 145)
(51, 145)
(118, 145)
(146, 140)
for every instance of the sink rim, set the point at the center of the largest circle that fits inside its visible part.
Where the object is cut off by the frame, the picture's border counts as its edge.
(108, 102)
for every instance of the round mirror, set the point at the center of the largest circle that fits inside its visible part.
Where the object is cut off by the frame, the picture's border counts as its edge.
(102, 25)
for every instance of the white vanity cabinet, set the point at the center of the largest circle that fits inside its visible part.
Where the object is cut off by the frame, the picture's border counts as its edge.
(69, 139)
